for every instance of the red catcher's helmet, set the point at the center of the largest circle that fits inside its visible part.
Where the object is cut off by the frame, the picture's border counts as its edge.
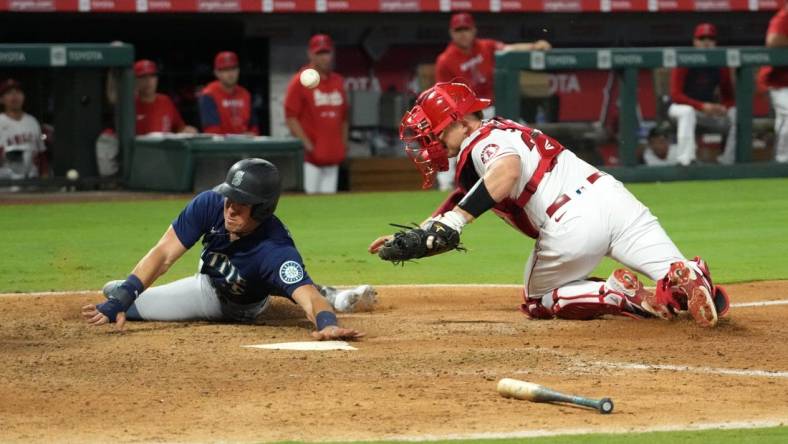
(434, 110)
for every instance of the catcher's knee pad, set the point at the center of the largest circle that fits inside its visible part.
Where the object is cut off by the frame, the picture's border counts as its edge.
(589, 301)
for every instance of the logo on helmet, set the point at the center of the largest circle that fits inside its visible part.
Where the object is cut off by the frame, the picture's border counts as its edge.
(238, 178)
(291, 272)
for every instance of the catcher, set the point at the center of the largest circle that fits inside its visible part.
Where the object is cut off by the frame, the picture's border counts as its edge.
(576, 213)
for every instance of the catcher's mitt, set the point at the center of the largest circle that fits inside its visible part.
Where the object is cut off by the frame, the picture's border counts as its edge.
(416, 242)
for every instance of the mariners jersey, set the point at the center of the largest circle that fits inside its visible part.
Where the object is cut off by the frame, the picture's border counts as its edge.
(474, 67)
(567, 172)
(23, 138)
(248, 270)
(223, 112)
(157, 116)
(322, 113)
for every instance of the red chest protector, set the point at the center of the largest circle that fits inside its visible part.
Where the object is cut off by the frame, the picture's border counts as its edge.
(512, 210)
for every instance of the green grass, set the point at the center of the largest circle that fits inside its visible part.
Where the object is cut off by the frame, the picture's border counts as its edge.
(735, 436)
(740, 227)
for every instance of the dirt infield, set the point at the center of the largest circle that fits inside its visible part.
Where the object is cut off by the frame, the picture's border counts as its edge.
(428, 366)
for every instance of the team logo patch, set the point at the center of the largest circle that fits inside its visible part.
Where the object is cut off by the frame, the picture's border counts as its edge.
(291, 272)
(489, 151)
(238, 178)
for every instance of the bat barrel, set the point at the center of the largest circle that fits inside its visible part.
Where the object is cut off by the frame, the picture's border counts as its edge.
(513, 388)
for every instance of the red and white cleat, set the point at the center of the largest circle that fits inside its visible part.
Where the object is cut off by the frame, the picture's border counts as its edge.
(705, 302)
(640, 301)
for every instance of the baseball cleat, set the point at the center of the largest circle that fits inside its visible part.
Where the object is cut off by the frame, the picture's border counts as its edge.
(693, 281)
(721, 301)
(361, 298)
(640, 301)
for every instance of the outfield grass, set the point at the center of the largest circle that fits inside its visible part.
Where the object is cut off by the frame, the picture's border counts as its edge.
(738, 226)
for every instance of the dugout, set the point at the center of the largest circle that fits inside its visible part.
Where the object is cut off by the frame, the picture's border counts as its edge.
(65, 86)
(384, 47)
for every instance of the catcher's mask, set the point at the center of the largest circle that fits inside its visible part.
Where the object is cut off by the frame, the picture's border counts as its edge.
(254, 182)
(435, 109)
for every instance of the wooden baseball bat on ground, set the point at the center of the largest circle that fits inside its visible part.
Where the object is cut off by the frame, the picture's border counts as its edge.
(513, 388)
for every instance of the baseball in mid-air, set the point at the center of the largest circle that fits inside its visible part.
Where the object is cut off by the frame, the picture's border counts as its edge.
(72, 174)
(310, 78)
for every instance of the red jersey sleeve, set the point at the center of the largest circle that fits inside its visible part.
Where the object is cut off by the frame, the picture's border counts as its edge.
(727, 96)
(677, 95)
(345, 101)
(443, 72)
(175, 116)
(779, 24)
(293, 99)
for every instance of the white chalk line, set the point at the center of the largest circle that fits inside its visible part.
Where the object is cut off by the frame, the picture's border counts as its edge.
(599, 430)
(581, 363)
(391, 286)
(759, 303)
(691, 369)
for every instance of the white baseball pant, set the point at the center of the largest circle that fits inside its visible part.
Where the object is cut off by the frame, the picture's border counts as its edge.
(190, 299)
(686, 119)
(319, 179)
(604, 219)
(779, 98)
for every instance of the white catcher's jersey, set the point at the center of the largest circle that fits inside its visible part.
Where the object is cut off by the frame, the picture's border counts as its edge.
(568, 173)
(20, 142)
(598, 217)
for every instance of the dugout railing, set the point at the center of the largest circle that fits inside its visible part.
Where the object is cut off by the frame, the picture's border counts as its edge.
(626, 62)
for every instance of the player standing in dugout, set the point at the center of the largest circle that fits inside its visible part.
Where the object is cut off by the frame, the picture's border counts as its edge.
(318, 117)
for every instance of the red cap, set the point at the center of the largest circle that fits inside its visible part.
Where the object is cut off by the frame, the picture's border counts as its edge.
(145, 67)
(705, 30)
(225, 60)
(8, 85)
(461, 20)
(319, 43)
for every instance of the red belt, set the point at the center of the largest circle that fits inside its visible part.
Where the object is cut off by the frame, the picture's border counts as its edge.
(561, 200)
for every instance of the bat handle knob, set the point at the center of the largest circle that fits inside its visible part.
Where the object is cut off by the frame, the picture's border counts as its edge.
(605, 406)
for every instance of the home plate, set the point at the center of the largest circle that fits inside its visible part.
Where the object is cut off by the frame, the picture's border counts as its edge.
(306, 346)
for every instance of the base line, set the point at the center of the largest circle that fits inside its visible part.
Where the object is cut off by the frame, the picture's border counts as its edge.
(691, 369)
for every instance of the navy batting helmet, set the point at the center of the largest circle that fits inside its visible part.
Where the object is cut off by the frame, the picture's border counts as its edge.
(254, 182)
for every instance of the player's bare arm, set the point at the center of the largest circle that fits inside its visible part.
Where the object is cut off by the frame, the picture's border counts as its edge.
(154, 264)
(776, 40)
(539, 45)
(319, 311)
(160, 258)
(499, 181)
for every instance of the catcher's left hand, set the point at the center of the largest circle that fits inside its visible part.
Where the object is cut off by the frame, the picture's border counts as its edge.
(433, 237)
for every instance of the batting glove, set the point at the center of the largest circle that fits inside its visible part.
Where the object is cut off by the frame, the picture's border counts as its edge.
(120, 297)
